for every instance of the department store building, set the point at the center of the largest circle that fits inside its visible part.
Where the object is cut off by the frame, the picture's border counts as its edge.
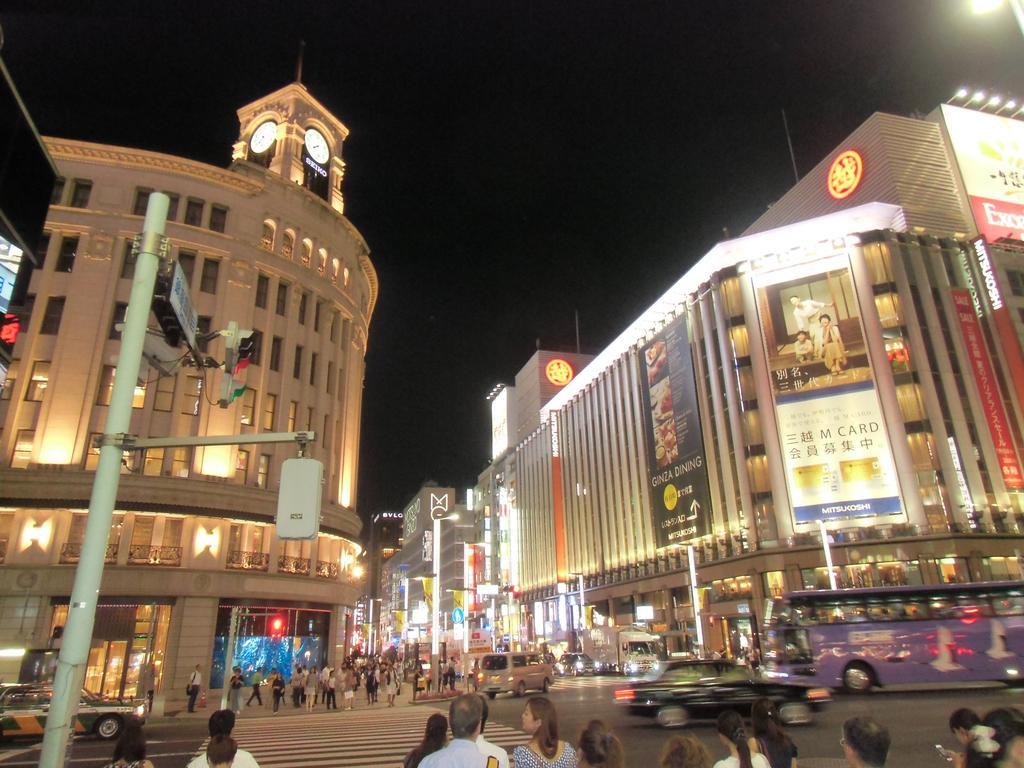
(853, 361)
(264, 243)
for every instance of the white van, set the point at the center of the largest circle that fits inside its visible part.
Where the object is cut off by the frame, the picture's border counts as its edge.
(513, 673)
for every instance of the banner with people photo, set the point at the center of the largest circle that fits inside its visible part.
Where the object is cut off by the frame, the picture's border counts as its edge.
(836, 452)
(677, 471)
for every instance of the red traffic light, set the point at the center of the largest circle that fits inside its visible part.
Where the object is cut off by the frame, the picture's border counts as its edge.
(277, 626)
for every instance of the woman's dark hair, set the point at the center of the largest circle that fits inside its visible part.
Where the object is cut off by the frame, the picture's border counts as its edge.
(131, 746)
(823, 316)
(684, 752)
(600, 746)
(1008, 724)
(434, 737)
(764, 721)
(220, 750)
(964, 718)
(730, 725)
(546, 734)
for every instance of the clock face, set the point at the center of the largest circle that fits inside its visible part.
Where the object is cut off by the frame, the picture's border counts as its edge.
(316, 145)
(263, 137)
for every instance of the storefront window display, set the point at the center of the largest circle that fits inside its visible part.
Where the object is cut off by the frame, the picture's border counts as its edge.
(1002, 568)
(888, 574)
(953, 570)
(731, 589)
(774, 583)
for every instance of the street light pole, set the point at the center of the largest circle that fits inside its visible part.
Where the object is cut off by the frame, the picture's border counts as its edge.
(828, 555)
(694, 597)
(435, 634)
(74, 651)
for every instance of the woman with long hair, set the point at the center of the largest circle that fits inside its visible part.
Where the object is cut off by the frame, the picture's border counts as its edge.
(732, 735)
(544, 749)
(684, 752)
(999, 741)
(598, 746)
(130, 750)
(434, 739)
(769, 739)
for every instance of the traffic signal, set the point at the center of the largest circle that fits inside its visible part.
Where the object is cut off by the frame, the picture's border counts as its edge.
(235, 361)
(276, 626)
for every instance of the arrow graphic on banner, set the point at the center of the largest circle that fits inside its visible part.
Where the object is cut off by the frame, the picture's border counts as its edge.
(694, 508)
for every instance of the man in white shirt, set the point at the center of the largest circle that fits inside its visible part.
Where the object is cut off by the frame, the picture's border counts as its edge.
(221, 723)
(194, 683)
(464, 714)
(486, 747)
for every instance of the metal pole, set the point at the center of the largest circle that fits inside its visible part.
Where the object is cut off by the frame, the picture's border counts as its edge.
(1018, 13)
(74, 651)
(229, 656)
(435, 635)
(828, 555)
(582, 603)
(694, 598)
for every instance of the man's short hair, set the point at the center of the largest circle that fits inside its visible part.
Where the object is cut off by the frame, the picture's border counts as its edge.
(868, 738)
(465, 714)
(222, 722)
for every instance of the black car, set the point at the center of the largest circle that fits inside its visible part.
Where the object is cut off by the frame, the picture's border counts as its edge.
(678, 691)
(575, 664)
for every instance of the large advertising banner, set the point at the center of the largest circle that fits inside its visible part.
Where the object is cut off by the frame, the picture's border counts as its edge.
(677, 468)
(837, 457)
(988, 388)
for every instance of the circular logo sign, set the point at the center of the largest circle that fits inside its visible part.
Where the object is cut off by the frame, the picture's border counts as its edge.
(458, 616)
(845, 174)
(559, 372)
(670, 496)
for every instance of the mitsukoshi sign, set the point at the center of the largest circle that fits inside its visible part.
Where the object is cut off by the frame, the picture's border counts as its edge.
(836, 453)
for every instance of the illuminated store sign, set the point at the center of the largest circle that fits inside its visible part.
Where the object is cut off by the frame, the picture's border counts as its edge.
(677, 472)
(985, 267)
(499, 423)
(835, 447)
(845, 174)
(559, 372)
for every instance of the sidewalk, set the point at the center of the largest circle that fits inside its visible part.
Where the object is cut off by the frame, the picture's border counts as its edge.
(255, 711)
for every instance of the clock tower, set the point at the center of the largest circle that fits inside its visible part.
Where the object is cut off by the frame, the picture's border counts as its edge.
(291, 134)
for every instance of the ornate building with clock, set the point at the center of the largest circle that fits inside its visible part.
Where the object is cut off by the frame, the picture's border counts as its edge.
(264, 243)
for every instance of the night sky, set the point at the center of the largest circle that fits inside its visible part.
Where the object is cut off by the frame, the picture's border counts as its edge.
(509, 162)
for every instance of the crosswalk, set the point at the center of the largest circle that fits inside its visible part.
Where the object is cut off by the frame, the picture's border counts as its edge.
(589, 681)
(374, 738)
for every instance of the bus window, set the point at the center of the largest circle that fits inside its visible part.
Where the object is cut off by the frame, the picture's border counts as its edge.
(911, 609)
(797, 646)
(855, 611)
(881, 611)
(960, 607)
(802, 615)
(1011, 604)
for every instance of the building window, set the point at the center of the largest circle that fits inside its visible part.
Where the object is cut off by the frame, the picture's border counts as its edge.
(194, 212)
(129, 259)
(57, 193)
(80, 191)
(307, 251)
(181, 462)
(312, 368)
(241, 466)
(248, 406)
(309, 417)
(52, 315)
(92, 453)
(275, 353)
(141, 201)
(346, 276)
(335, 321)
(153, 462)
(41, 248)
(106, 389)
(316, 316)
(297, 363)
(257, 347)
(172, 206)
(267, 238)
(263, 470)
(262, 289)
(293, 410)
(774, 583)
(164, 398)
(23, 448)
(282, 299)
(120, 310)
(269, 406)
(321, 266)
(40, 378)
(66, 257)
(208, 280)
(288, 244)
(1016, 281)
(303, 302)
(187, 261)
(193, 395)
(218, 218)
(7, 388)
(335, 269)
(330, 377)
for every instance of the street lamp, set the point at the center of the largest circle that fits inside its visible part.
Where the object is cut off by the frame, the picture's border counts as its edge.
(694, 598)
(987, 6)
(828, 555)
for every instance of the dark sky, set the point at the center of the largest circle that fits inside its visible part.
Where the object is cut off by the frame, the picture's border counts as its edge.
(509, 162)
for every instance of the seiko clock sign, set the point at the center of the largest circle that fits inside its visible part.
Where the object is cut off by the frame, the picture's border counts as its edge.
(315, 156)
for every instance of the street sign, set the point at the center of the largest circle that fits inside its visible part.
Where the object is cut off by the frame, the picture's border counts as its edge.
(181, 303)
(487, 589)
(298, 501)
(458, 616)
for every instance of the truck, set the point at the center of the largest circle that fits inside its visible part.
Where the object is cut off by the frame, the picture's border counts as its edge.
(625, 650)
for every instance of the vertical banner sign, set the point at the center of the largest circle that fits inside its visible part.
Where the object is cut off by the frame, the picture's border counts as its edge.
(677, 469)
(836, 452)
(558, 509)
(428, 593)
(988, 389)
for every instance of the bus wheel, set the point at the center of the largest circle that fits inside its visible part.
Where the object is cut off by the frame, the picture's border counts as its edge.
(672, 717)
(858, 678)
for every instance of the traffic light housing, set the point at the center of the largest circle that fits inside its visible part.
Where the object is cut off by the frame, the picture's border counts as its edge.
(275, 626)
(239, 347)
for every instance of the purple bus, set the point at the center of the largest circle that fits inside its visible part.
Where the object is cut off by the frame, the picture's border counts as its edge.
(859, 638)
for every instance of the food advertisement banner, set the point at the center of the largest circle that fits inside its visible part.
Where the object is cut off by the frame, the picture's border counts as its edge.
(677, 468)
(838, 461)
(988, 388)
